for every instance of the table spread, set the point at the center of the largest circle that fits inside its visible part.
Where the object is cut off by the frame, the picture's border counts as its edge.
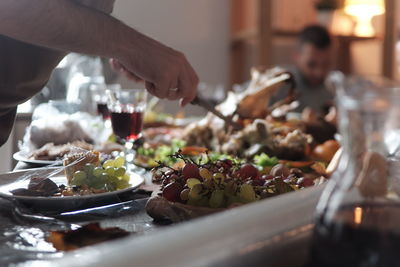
(23, 237)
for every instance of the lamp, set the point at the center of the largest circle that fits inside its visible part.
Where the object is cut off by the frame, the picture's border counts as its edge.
(363, 11)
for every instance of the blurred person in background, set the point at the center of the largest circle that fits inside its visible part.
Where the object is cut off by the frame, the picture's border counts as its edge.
(36, 35)
(313, 60)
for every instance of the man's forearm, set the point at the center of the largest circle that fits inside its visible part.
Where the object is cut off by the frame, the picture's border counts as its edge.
(64, 25)
(68, 26)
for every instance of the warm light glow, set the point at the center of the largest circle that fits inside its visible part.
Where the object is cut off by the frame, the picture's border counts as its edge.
(358, 215)
(363, 11)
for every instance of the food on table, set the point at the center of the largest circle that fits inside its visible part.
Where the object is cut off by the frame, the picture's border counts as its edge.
(326, 151)
(162, 135)
(149, 156)
(38, 186)
(53, 152)
(275, 139)
(76, 161)
(225, 183)
(321, 128)
(266, 129)
(157, 119)
(90, 177)
(85, 176)
(86, 235)
(263, 160)
(107, 148)
(253, 102)
(284, 140)
(50, 151)
(57, 129)
(161, 209)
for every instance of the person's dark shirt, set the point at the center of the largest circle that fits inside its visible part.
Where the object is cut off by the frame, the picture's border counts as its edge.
(316, 97)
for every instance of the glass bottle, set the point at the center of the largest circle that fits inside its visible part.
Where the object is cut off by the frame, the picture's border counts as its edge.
(358, 215)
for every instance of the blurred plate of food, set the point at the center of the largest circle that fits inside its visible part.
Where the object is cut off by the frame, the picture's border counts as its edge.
(21, 156)
(86, 183)
(51, 154)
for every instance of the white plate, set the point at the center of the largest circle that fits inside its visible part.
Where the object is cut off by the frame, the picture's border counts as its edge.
(59, 204)
(19, 156)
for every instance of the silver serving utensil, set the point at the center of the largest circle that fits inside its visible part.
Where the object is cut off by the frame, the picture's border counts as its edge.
(211, 108)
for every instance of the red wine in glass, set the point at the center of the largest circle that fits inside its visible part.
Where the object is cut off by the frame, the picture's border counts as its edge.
(127, 125)
(102, 110)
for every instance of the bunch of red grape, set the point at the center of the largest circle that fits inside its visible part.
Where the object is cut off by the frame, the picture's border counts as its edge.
(222, 183)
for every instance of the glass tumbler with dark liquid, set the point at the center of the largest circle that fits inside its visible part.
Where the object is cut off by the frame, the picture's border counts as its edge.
(358, 215)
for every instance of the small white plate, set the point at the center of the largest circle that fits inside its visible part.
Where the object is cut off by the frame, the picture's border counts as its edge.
(19, 156)
(9, 182)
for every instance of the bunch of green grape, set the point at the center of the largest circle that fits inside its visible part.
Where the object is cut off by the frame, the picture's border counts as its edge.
(110, 176)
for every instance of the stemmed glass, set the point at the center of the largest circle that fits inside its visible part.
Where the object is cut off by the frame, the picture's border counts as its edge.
(127, 108)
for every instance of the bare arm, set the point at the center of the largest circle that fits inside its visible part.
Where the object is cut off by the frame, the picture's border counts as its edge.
(62, 25)
(67, 26)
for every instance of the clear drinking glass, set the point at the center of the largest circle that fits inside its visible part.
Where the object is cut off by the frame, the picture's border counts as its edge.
(358, 215)
(127, 108)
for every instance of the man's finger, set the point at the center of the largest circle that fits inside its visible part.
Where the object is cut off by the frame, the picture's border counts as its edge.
(161, 90)
(174, 92)
(150, 88)
(188, 90)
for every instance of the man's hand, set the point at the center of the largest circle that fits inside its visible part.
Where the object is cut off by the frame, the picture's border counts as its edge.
(166, 72)
(67, 26)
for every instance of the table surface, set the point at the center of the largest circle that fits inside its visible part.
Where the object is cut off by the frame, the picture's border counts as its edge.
(23, 240)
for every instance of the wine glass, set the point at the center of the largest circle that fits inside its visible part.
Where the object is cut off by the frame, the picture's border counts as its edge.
(126, 108)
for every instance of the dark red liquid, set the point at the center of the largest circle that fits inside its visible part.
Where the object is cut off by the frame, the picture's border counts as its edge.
(127, 125)
(373, 242)
(102, 110)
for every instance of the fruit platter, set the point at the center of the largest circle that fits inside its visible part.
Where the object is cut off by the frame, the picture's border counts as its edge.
(201, 184)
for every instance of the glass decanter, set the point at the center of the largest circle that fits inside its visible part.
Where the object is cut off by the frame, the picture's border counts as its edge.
(358, 214)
